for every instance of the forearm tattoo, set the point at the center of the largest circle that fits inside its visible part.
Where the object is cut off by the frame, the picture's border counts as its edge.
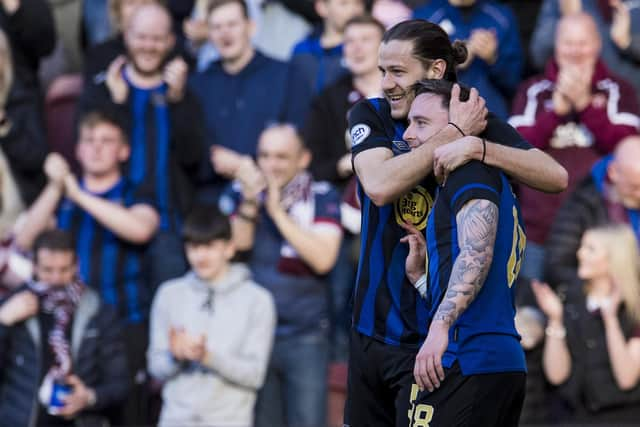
(477, 226)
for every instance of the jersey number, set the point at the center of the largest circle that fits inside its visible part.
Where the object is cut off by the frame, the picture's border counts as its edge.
(517, 249)
(419, 415)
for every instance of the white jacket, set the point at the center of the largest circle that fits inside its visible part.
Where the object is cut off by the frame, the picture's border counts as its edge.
(239, 325)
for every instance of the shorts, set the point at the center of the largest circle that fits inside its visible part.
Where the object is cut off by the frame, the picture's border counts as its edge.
(379, 381)
(483, 400)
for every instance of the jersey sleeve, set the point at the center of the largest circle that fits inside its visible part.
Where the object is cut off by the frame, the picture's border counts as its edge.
(503, 133)
(366, 128)
(474, 180)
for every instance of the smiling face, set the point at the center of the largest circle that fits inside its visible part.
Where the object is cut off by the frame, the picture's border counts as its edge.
(281, 156)
(401, 70)
(577, 42)
(427, 117)
(149, 39)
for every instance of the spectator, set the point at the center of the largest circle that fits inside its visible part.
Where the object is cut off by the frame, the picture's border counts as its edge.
(31, 32)
(391, 12)
(211, 332)
(319, 55)
(166, 132)
(325, 131)
(99, 57)
(293, 232)
(495, 61)
(623, 37)
(22, 137)
(54, 330)
(327, 136)
(111, 224)
(251, 91)
(577, 111)
(607, 16)
(608, 194)
(592, 346)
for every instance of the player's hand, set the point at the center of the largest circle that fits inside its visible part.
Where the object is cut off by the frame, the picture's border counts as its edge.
(115, 82)
(428, 371)
(175, 75)
(470, 115)
(449, 157)
(56, 168)
(548, 301)
(415, 265)
(18, 307)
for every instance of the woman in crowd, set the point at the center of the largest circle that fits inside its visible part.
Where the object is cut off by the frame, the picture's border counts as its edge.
(592, 346)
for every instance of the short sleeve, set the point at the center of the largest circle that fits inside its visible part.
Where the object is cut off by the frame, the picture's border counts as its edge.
(366, 128)
(503, 133)
(473, 181)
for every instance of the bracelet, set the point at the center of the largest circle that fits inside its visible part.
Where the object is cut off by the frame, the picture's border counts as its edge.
(484, 149)
(248, 218)
(457, 127)
(421, 285)
(552, 332)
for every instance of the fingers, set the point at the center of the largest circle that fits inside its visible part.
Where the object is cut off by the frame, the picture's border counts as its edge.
(433, 381)
(116, 66)
(455, 95)
(420, 373)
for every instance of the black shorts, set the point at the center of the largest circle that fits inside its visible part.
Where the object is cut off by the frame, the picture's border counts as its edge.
(379, 381)
(484, 400)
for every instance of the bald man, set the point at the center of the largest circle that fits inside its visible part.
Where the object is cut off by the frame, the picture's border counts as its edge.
(577, 111)
(611, 193)
(291, 224)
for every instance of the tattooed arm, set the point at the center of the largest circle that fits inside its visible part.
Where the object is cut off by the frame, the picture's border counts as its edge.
(477, 224)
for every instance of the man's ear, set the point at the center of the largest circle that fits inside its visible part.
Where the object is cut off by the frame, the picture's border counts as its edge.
(437, 69)
(124, 152)
(305, 159)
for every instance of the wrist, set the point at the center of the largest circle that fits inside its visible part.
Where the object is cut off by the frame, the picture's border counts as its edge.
(555, 331)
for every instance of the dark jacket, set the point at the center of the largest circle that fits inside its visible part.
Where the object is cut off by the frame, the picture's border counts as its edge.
(325, 130)
(32, 36)
(591, 389)
(25, 144)
(98, 359)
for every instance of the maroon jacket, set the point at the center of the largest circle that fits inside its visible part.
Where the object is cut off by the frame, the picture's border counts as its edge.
(576, 140)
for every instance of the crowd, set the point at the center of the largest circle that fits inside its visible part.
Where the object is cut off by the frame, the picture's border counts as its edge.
(179, 220)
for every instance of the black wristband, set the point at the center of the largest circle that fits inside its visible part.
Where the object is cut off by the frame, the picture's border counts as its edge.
(248, 218)
(484, 149)
(457, 127)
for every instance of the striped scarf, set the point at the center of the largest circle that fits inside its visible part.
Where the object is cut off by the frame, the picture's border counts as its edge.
(61, 303)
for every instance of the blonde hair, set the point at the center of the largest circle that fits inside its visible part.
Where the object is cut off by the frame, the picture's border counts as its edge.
(621, 245)
(6, 69)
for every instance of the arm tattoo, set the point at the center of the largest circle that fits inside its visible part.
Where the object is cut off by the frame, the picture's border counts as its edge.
(477, 227)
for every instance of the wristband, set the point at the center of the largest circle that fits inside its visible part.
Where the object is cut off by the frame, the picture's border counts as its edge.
(248, 218)
(484, 149)
(555, 332)
(421, 285)
(457, 127)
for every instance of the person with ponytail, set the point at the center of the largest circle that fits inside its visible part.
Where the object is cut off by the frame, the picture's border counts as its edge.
(592, 346)
(397, 185)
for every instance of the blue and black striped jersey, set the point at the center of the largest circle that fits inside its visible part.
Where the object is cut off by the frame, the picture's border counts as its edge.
(484, 338)
(386, 305)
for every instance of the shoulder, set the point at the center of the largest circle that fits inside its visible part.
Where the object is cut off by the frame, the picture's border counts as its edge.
(258, 294)
(306, 45)
(499, 13)
(171, 287)
(473, 180)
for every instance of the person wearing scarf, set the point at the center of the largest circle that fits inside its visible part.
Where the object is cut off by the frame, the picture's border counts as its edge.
(291, 226)
(56, 336)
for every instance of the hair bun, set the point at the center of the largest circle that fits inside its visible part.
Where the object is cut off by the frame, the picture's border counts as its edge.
(460, 52)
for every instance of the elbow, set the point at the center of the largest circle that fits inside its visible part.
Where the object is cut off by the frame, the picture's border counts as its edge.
(379, 197)
(562, 179)
(142, 236)
(557, 378)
